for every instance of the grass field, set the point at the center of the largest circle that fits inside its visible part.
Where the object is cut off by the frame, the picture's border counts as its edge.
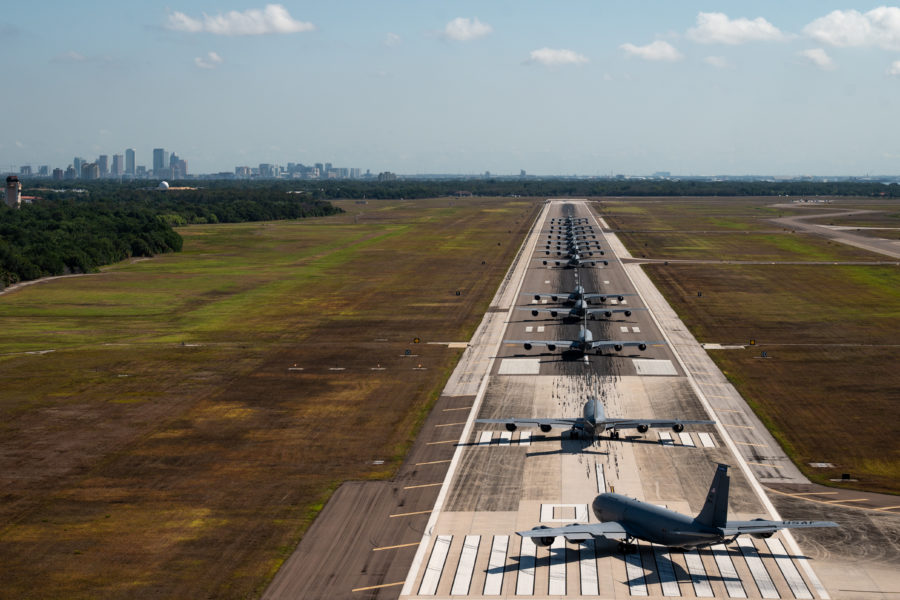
(829, 389)
(171, 426)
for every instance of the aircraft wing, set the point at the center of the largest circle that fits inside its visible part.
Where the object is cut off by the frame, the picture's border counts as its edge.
(610, 295)
(557, 343)
(557, 423)
(576, 532)
(600, 311)
(763, 526)
(634, 423)
(614, 343)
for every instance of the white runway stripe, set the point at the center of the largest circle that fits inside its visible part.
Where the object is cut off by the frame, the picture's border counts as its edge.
(666, 571)
(635, 330)
(525, 579)
(525, 438)
(665, 438)
(729, 574)
(686, 439)
(493, 581)
(505, 437)
(765, 584)
(601, 480)
(702, 589)
(540, 329)
(463, 579)
(706, 440)
(587, 565)
(435, 565)
(623, 329)
(637, 584)
(557, 586)
(529, 329)
(791, 575)
(485, 438)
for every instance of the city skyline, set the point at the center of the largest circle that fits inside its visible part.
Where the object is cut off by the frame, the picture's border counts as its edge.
(460, 88)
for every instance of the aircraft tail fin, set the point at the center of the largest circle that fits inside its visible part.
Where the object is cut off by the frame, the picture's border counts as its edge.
(715, 509)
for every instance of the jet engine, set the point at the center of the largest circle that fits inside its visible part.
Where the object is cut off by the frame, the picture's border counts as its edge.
(606, 262)
(762, 536)
(643, 428)
(554, 298)
(621, 298)
(602, 298)
(618, 347)
(537, 296)
(545, 262)
(510, 426)
(553, 313)
(627, 313)
(551, 347)
(545, 428)
(608, 314)
(642, 347)
(543, 541)
(534, 313)
(528, 346)
(677, 427)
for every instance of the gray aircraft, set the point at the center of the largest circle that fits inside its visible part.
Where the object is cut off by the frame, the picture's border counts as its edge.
(584, 343)
(578, 294)
(576, 249)
(625, 519)
(578, 310)
(574, 261)
(594, 423)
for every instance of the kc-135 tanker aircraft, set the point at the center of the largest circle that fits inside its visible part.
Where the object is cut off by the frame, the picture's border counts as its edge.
(594, 423)
(625, 519)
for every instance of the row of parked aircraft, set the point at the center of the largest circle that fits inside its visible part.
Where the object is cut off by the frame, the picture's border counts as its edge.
(621, 518)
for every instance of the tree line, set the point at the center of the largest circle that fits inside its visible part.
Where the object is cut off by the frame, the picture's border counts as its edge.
(79, 229)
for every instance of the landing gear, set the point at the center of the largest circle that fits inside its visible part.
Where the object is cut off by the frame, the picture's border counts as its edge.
(626, 547)
(614, 435)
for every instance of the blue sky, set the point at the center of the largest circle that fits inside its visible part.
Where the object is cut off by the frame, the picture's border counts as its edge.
(575, 87)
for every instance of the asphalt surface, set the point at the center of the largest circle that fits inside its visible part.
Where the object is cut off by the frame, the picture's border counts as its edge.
(445, 527)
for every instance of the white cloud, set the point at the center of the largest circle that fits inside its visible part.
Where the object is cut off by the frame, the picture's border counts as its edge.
(894, 69)
(391, 40)
(717, 28)
(462, 29)
(210, 61)
(70, 56)
(719, 62)
(879, 27)
(818, 57)
(658, 50)
(552, 57)
(274, 18)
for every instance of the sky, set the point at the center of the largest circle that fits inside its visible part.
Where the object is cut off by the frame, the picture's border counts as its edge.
(807, 87)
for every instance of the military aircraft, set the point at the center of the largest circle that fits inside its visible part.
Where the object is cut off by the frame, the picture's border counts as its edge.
(626, 519)
(594, 423)
(578, 310)
(584, 343)
(575, 249)
(574, 261)
(577, 294)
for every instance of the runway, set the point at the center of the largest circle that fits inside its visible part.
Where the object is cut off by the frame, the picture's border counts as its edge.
(499, 482)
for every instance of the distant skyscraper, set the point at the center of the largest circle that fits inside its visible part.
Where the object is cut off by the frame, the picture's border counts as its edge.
(173, 160)
(118, 165)
(103, 164)
(57, 174)
(77, 163)
(25, 170)
(13, 192)
(129, 161)
(90, 171)
(44, 171)
(159, 159)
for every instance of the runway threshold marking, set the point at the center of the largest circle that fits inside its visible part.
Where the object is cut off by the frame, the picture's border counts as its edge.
(375, 587)
(409, 514)
(433, 462)
(423, 485)
(395, 547)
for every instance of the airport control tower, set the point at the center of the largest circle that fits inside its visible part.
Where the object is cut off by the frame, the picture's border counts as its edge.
(13, 192)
